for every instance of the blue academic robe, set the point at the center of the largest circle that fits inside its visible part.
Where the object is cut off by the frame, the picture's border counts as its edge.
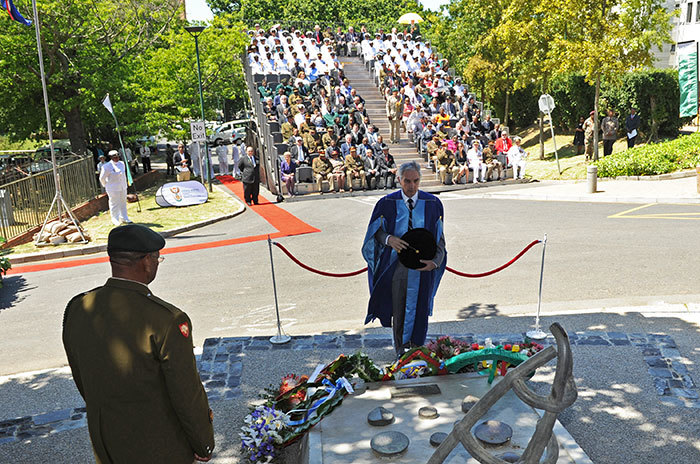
(391, 215)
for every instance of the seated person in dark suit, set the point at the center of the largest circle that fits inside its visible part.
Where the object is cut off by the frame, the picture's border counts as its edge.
(372, 169)
(299, 152)
(387, 166)
(379, 145)
(364, 147)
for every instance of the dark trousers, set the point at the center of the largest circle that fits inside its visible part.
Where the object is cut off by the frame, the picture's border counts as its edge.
(388, 180)
(250, 192)
(170, 166)
(630, 141)
(608, 147)
(146, 161)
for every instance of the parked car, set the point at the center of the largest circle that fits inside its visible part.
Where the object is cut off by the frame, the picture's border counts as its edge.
(229, 132)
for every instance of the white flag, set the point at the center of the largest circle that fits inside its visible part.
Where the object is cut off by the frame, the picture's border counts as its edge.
(108, 104)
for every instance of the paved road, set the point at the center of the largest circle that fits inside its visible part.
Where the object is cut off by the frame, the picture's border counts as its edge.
(593, 261)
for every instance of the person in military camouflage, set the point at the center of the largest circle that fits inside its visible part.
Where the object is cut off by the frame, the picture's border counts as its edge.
(131, 355)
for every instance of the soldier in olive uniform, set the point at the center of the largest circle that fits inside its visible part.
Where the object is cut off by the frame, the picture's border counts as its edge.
(312, 141)
(328, 136)
(323, 170)
(132, 359)
(355, 168)
(446, 164)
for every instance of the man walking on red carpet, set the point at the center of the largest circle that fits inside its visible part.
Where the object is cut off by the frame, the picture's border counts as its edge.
(250, 176)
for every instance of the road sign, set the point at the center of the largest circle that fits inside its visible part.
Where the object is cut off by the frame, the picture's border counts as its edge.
(199, 132)
(546, 103)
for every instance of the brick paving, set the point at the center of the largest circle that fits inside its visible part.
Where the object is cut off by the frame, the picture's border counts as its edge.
(221, 366)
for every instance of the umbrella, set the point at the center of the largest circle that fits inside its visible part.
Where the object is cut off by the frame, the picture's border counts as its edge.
(408, 17)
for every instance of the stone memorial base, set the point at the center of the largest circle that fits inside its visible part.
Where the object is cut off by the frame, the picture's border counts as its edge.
(345, 435)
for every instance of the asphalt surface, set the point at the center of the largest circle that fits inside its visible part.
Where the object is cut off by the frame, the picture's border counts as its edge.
(598, 272)
(591, 262)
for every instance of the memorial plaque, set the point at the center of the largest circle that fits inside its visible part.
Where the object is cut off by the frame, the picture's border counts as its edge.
(437, 438)
(428, 412)
(389, 443)
(380, 416)
(415, 390)
(493, 432)
(468, 402)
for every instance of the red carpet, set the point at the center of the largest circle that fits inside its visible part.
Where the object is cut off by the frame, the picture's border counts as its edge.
(286, 224)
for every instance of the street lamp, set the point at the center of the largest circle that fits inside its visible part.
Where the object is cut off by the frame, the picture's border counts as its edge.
(195, 32)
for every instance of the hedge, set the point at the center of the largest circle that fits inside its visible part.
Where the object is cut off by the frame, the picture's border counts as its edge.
(653, 159)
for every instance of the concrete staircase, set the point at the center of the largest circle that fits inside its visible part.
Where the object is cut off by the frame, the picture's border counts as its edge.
(360, 79)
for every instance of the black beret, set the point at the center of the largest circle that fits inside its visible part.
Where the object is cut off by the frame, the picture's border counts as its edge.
(134, 237)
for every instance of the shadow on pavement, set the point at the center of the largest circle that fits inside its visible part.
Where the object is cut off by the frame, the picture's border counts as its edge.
(12, 291)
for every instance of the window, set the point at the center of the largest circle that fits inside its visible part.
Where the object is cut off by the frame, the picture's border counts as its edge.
(673, 48)
(689, 17)
(697, 13)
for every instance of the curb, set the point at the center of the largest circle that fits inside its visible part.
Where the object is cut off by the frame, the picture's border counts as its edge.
(92, 249)
(591, 198)
(669, 176)
(437, 189)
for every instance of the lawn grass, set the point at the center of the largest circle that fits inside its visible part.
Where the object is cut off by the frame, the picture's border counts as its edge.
(151, 215)
(573, 166)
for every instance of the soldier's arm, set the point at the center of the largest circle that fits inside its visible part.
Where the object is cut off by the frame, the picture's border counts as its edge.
(75, 370)
(185, 387)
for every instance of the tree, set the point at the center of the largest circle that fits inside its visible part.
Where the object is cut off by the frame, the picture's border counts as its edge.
(605, 39)
(166, 77)
(88, 48)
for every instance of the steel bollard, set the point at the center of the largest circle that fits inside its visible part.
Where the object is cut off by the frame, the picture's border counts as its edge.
(592, 178)
(697, 171)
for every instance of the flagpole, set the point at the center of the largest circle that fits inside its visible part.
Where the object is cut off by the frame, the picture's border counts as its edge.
(129, 177)
(58, 197)
(46, 105)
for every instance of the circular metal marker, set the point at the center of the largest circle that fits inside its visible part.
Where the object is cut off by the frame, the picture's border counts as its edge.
(509, 457)
(468, 402)
(380, 416)
(437, 438)
(493, 432)
(427, 412)
(389, 443)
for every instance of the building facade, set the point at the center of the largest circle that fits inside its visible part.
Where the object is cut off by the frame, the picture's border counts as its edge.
(686, 27)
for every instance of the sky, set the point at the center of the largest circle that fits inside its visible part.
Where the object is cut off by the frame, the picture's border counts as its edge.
(198, 10)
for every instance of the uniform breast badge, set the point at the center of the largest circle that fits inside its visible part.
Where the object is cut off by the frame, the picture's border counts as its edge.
(184, 329)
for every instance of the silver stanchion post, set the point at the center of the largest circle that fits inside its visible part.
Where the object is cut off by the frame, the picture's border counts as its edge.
(538, 334)
(280, 338)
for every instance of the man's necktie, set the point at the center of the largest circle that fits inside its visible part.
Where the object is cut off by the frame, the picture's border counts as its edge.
(410, 213)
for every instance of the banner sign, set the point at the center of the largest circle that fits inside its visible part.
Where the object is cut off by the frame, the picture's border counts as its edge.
(186, 193)
(688, 78)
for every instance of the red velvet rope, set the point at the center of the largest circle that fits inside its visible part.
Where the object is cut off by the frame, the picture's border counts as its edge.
(316, 271)
(498, 269)
(360, 271)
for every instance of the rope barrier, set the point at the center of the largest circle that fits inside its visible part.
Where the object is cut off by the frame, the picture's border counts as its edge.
(360, 271)
(316, 271)
(498, 269)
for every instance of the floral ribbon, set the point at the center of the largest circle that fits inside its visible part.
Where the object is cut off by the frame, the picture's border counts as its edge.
(341, 384)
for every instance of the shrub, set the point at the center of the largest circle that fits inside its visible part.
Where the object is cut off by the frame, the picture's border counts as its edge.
(653, 159)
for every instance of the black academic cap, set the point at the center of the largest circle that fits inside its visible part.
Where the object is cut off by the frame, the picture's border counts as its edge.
(422, 246)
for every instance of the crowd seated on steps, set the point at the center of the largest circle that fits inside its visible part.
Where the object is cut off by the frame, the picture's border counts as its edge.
(439, 115)
(320, 114)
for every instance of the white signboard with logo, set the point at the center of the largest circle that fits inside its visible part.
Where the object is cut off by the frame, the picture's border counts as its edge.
(186, 193)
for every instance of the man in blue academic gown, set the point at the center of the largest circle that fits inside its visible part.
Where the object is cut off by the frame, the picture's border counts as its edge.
(402, 298)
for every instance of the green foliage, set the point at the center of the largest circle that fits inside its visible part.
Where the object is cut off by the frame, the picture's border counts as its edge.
(653, 92)
(88, 47)
(306, 13)
(573, 97)
(522, 110)
(653, 159)
(165, 86)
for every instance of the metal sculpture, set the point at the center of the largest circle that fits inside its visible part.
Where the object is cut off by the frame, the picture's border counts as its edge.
(562, 395)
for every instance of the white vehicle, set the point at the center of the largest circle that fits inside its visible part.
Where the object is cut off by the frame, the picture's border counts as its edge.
(229, 132)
